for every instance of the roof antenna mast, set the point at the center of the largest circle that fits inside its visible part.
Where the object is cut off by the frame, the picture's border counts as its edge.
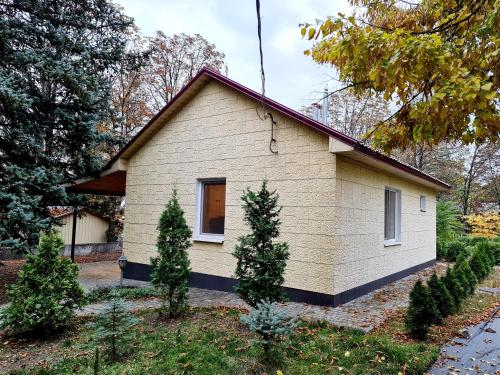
(325, 107)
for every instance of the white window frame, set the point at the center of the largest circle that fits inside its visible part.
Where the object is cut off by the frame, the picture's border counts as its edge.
(423, 203)
(397, 219)
(198, 235)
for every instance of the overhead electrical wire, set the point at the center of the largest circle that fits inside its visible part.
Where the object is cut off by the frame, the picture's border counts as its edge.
(267, 115)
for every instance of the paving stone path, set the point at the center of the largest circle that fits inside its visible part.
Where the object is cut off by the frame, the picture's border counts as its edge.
(476, 353)
(364, 313)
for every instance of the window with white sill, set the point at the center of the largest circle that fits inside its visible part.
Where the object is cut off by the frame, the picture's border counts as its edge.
(210, 207)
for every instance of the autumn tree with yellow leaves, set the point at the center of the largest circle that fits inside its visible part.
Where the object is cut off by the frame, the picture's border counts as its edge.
(437, 60)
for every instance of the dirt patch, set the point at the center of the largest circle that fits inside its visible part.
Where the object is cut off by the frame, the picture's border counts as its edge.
(18, 353)
(101, 257)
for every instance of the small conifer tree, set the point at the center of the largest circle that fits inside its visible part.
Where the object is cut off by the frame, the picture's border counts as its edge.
(46, 292)
(171, 268)
(260, 261)
(453, 285)
(466, 277)
(454, 250)
(480, 264)
(422, 311)
(442, 297)
(268, 322)
(113, 329)
(491, 248)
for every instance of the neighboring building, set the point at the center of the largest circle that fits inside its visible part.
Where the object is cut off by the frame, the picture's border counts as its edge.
(354, 219)
(91, 227)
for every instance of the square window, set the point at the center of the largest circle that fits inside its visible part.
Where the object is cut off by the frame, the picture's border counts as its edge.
(211, 206)
(423, 203)
(392, 217)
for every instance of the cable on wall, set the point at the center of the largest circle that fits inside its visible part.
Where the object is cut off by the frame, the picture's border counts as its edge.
(267, 115)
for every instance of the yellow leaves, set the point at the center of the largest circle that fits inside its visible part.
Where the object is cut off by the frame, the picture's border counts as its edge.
(311, 33)
(303, 31)
(487, 86)
(491, 95)
(484, 225)
(347, 354)
(400, 61)
(279, 372)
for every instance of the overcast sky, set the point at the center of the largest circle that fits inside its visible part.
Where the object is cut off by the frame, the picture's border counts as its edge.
(291, 78)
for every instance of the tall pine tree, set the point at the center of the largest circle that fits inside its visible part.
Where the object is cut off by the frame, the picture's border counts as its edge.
(171, 268)
(57, 59)
(260, 261)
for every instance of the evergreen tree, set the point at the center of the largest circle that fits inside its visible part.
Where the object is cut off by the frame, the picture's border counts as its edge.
(171, 268)
(454, 287)
(466, 276)
(113, 329)
(56, 62)
(46, 292)
(422, 311)
(454, 250)
(489, 249)
(479, 264)
(260, 261)
(441, 295)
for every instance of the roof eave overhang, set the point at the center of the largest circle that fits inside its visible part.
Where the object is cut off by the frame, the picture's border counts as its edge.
(366, 155)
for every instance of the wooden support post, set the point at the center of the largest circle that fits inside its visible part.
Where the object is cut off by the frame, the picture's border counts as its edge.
(73, 234)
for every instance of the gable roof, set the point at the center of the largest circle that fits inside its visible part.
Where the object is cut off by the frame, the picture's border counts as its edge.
(359, 150)
(58, 212)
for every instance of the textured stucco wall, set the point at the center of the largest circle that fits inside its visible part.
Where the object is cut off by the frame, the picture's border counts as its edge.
(359, 226)
(218, 134)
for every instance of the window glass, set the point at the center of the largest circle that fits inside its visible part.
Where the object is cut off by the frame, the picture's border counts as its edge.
(390, 215)
(213, 210)
(423, 203)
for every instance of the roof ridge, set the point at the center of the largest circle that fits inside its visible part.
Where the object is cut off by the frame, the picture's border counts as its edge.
(289, 112)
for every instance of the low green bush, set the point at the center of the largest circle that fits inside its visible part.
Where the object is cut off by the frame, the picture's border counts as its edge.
(443, 298)
(422, 311)
(447, 293)
(492, 250)
(456, 290)
(465, 275)
(441, 249)
(480, 264)
(454, 249)
(269, 323)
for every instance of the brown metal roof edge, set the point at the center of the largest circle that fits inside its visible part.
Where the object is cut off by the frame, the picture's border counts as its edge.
(357, 145)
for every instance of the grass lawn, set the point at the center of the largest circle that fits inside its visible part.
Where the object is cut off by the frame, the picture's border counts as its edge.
(213, 341)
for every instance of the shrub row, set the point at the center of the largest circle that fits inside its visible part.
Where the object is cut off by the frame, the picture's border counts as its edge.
(443, 296)
(450, 251)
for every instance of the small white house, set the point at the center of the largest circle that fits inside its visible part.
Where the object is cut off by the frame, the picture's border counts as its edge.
(354, 218)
